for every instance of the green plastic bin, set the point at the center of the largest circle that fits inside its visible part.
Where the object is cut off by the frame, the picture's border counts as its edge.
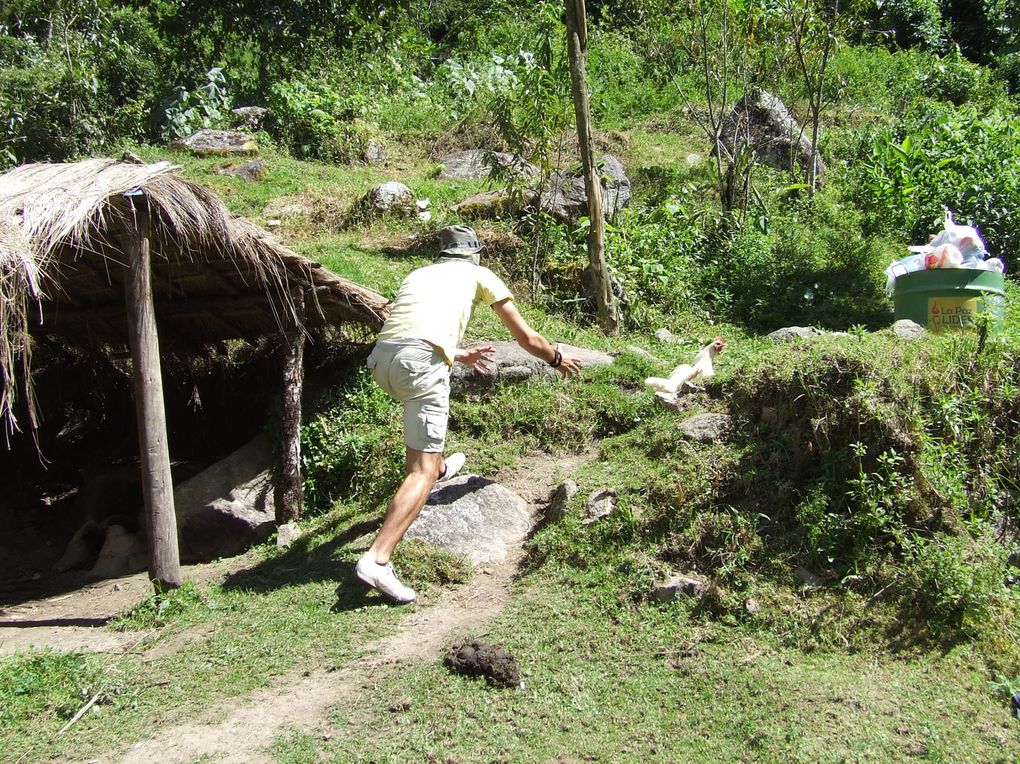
(950, 299)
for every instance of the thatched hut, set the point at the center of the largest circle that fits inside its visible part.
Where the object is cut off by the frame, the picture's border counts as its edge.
(122, 258)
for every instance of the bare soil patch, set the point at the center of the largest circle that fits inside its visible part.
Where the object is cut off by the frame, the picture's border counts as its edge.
(74, 620)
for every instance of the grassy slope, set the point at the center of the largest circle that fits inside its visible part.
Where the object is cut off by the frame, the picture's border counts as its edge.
(605, 677)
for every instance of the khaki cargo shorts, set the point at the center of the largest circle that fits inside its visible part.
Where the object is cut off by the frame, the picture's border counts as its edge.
(414, 373)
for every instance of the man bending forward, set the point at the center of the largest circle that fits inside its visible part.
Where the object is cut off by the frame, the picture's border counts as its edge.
(411, 361)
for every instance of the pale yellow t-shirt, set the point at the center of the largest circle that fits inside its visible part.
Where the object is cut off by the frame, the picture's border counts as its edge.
(435, 303)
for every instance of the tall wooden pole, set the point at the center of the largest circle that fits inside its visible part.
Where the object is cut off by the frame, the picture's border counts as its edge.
(157, 486)
(577, 47)
(288, 492)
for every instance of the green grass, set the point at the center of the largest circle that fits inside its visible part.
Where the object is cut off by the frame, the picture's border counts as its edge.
(213, 644)
(849, 671)
(644, 683)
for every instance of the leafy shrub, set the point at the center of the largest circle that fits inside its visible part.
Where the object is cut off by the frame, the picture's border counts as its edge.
(318, 120)
(351, 443)
(90, 82)
(955, 159)
(914, 23)
(955, 79)
(189, 110)
(954, 581)
(658, 255)
(809, 266)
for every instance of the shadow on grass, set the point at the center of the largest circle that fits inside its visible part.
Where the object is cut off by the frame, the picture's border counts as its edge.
(304, 563)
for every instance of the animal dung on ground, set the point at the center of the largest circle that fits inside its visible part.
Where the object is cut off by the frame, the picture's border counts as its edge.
(498, 666)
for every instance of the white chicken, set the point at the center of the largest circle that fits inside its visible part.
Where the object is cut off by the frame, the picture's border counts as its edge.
(685, 373)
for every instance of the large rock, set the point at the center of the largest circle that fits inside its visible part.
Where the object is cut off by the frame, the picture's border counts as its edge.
(908, 330)
(374, 152)
(778, 140)
(793, 333)
(706, 428)
(679, 586)
(250, 117)
(391, 197)
(123, 552)
(511, 363)
(254, 170)
(564, 196)
(487, 205)
(473, 516)
(477, 164)
(217, 143)
(228, 507)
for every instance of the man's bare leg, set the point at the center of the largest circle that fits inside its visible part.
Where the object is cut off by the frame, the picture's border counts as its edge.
(422, 470)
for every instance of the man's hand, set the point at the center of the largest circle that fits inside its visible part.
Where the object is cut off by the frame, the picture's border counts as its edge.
(569, 366)
(478, 358)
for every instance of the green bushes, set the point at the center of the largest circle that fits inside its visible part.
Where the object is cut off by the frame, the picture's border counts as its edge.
(954, 582)
(190, 110)
(914, 23)
(351, 444)
(317, 120)
(954, 160)
(90, 81)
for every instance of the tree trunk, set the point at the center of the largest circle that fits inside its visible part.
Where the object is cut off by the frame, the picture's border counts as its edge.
(289, 492)
(157, 485)
(608, 311)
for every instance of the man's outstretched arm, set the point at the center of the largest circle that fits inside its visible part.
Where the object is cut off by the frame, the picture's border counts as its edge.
(531, 340)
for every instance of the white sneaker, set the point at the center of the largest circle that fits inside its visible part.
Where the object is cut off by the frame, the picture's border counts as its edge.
(383, 578)
(454, 464)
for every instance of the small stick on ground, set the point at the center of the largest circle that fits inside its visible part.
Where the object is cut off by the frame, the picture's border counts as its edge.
(80, 713)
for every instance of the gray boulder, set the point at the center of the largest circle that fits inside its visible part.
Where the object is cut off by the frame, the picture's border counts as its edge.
(373, 153)
(908, 330)
(217, 143)
(665, 335)
(791, 333)
(706, 428)
(511, 363)
(487, 205)
(763, 120)
(477, 164)
(250, 117)
(391, 197)
(679, 586)
(228, 507)
(251, 171)
(600, 504)
(564, 196)
(473, 516)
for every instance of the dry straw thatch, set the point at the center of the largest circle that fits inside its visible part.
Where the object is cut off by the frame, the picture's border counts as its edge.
(215, 276)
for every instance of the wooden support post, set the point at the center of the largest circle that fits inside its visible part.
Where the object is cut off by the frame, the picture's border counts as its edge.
(288, 492)
(157, 486)
(577, 54)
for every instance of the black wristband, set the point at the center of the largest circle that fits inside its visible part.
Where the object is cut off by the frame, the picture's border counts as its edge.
(557, 359)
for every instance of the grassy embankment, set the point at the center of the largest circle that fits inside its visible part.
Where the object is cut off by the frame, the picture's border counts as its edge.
(872, 665)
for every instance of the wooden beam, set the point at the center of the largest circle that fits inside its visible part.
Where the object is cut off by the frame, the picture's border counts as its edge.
(157, 486)
(288, 493)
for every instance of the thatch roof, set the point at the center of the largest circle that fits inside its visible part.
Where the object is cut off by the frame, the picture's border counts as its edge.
(215, 276)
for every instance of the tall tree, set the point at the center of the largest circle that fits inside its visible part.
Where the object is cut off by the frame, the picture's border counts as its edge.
(577, 46)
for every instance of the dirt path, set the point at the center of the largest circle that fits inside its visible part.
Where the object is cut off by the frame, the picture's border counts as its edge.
(242, 732)
(74, 620)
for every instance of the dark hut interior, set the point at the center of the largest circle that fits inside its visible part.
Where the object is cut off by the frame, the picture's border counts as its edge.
(230, 306)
